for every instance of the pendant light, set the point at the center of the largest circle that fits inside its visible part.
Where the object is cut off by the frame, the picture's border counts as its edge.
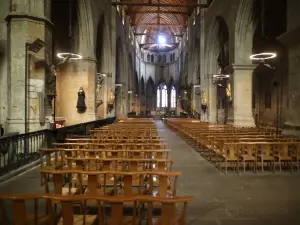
(264, 43)
(221, 75)
(65, 56)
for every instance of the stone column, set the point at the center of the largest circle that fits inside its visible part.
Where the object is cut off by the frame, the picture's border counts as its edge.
(230, 115)
(22, 30)
(242, 99)
(291, 41)
(89, 68)
(76, 74)
(212, 101)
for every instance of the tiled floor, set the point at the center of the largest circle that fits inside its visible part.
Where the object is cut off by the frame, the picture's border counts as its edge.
(218, 199)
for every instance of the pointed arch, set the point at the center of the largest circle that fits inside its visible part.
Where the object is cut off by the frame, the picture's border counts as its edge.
(119, 60)
(159, 58)
(162, 94)
(173, 93)
(142, 85)
(150, 95)
(164, 59)
(103, 45)
(136, 82)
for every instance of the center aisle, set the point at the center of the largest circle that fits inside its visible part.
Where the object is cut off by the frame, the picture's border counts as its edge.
(221, 199)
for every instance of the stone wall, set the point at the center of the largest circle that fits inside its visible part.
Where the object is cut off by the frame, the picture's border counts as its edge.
(291, 40)
(3, 61)
(203, 31)
(96, 29)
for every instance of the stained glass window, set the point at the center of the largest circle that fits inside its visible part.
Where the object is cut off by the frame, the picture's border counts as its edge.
(173, 98)
(164, 97)
(158, 98)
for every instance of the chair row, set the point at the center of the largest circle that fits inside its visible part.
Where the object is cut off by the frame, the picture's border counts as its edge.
(56, 158)
(106, 210)
(246, 148)
(111, 183)
(128, 146)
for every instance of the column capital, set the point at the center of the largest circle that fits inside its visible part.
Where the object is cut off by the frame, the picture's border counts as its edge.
(243, 67)
(23, 16)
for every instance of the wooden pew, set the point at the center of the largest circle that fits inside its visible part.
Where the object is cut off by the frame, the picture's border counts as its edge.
(279, 153)
(119, 164)
(128, 146)
(111, 182)
(66, 216)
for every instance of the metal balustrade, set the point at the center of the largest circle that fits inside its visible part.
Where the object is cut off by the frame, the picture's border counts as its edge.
(18, 150)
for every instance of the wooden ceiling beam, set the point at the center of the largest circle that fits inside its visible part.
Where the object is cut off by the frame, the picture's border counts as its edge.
(159, 4)
(156, 11)
(141, 34)
(156, 25)
(176, 43)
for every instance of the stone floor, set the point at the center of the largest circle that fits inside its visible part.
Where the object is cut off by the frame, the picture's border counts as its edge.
(232, 199)
(219, 199)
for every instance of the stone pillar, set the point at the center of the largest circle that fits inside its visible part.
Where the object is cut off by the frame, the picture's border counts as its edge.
(76, 74)
(290, 40)
(242, 99)
(89, 68)
(119, 102)
(230, 115)
(22, 30)
(212, 101)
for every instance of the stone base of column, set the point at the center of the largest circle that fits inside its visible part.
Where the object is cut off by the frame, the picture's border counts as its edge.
(15, 125)
(246, 121)
(291, 129)
(212, 118)
(92, 116)
(230, 120)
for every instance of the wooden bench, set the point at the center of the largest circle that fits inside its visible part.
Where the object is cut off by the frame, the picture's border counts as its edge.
(110, 182)
(253, 152)
(119, 164)
(43, 212)
(124, 146)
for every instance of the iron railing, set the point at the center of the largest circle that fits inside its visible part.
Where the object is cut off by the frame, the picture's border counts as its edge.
(19, 150)
(188, 109)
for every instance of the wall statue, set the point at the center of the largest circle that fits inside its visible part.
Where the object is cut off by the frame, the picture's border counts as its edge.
(81, 107)
(99, 81)
(111, 101)
(228, 92)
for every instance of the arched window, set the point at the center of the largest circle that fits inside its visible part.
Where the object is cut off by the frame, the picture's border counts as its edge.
(152, 58)
(164, 97)
(164, 58)
(158, 97)
(159, 58)
(148, 58)
(173, 97)
(171, 58)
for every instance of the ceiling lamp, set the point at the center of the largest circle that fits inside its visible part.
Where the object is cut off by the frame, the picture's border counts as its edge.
(162, 40)
(263, 46)
(65, 56)
(221, 75)
(69, 55)
(263, 56)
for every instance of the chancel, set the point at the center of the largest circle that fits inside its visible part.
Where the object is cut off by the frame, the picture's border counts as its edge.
(150, 112)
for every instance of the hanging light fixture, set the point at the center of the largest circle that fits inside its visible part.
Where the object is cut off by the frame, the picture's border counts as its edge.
(222, 74)
(65, 56)
(264, 45)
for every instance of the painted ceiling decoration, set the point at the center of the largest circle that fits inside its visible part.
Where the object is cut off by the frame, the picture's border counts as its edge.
(154, 18)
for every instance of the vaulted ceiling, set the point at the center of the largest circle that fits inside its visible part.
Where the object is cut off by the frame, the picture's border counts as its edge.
(159, 17)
